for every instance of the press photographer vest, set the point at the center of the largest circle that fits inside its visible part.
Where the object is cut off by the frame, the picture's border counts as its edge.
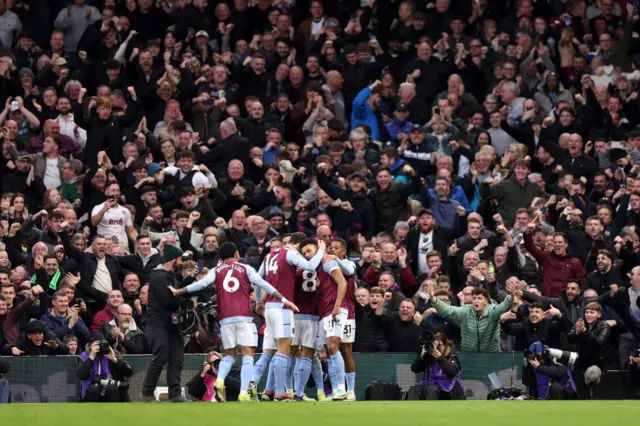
(435, 376)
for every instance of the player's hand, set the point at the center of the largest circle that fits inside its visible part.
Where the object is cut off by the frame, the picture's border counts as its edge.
(260, 308)
(328, 258)
(335, 314)
(173, 290)
(322, 245)
(290, 304)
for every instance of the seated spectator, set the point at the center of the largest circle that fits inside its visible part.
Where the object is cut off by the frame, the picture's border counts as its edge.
(122, 332)
(62, 320)
(109, 312)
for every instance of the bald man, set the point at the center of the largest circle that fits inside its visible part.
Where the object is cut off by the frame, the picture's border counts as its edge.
(232, 146)
(236, 187)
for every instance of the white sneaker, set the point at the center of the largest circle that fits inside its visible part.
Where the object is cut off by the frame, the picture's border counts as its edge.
(305, 398)
(351, 396)
(339, 395)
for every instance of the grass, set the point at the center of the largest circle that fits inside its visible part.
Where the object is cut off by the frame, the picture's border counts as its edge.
(473, 413)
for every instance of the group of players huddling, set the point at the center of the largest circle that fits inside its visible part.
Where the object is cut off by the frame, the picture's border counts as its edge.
(322, 287)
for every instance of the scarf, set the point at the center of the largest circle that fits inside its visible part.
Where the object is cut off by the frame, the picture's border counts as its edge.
(53, 284)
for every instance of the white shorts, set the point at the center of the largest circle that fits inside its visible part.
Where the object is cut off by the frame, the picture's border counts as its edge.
(238, 334)
(349, 331)
(306, 333)
(330, 328)
(279, 325)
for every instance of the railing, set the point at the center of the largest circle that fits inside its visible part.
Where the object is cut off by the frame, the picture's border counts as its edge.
(54, 379)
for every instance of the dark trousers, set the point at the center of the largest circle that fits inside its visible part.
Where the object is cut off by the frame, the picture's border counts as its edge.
(434, 393)
(109, 393)
(557, 392)
(167, 349)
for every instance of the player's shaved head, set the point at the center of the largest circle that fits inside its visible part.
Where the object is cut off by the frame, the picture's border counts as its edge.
(227, 251)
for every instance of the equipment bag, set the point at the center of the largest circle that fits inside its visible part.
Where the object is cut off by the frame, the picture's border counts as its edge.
(383, 391)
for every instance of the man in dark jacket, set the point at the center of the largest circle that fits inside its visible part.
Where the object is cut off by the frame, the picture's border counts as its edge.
(145, 260)
(231, 147)
(373, 326)
(38, 342)
(236, 188)
(162, 336)
(355, 214)
(541, 326)
(405, 334)
(607, 273)
(96, 280)
(585, 244)
(389, 198)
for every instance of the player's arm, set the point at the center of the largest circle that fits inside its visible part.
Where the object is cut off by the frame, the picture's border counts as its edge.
(198, 285)
(348, 267)
(261, 284)
(334, 270)
(296, 259)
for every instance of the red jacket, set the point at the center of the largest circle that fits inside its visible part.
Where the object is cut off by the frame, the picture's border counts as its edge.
(101, 317)
(556, 270)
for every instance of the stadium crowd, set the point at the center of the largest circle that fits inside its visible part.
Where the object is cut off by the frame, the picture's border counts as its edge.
(481, 158)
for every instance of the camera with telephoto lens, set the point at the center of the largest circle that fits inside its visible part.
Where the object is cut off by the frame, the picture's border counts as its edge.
(104, 348)
(215, 364)
(106, 382)
(427, 339)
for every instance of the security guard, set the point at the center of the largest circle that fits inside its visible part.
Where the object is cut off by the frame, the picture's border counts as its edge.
(163, 337)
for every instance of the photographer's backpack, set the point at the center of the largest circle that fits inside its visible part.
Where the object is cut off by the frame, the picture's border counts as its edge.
(383, 391)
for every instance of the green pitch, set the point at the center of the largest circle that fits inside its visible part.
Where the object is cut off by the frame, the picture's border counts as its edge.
(472, 413)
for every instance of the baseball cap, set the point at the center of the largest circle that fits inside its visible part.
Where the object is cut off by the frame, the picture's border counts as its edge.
(402, 108)
(24, 155)
(417, 128)
(202, 33)
(425, 211)
(357, 175)
(14, 106)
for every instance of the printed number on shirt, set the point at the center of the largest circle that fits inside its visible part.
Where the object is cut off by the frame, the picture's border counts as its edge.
(230, 283)
(347, 330)
(272, 264)
(309, 282)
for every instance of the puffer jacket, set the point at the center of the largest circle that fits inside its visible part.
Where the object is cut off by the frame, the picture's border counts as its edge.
(479, 333)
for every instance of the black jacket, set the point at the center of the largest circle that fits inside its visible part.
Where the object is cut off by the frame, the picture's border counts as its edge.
(405, 336)
(547, 331)
(162, 303)
(373, 330)
(442, 238)
(601, 282)
(4, 366)
(361, 219)
(234, 147)
(133, 263)
(391, 205)
(592, 345)
(87, 265)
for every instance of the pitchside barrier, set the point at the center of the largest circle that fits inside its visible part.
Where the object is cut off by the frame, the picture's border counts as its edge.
(54, 379)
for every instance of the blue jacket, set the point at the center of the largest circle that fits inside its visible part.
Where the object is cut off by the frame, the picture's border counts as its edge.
(60, 327)
(444, 211)
(395, 126)
(458, 195)
(363, 114)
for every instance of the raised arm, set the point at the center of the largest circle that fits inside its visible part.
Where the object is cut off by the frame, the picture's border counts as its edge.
(294, 258)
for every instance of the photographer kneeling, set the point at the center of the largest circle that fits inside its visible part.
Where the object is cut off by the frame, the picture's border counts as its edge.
(548, 377)
(441, 367)
(102, 373)
(201, 386)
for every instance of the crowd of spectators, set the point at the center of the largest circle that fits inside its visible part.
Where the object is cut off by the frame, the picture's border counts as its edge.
(481, 158)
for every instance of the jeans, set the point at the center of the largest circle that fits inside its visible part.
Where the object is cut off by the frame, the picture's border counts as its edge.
(4, 391)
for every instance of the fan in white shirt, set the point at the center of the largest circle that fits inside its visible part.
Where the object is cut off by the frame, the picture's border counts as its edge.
(112, 219)
(68, 126)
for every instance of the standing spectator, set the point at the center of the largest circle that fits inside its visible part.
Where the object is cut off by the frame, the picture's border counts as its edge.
(74, 20)
(112, 219)
(479, 322)
(10, 27)
(62, 320)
